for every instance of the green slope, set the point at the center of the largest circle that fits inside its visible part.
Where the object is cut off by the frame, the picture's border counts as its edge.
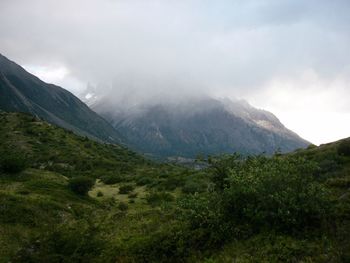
(287, 208)
(37, 203)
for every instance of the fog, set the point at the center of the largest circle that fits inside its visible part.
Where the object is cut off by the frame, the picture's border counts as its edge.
(287, 56)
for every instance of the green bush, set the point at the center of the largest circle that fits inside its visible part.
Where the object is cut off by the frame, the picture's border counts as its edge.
(81, 185)
(144, 181)
(132, 195)
(156, 198)
(275, 192)
(123, 206)
(125, 189)
(99, 194)
(69, 242)
(192, 187)
(111, 179)
(171, 183)
(344, 148)
(13, 163)
(339, 182)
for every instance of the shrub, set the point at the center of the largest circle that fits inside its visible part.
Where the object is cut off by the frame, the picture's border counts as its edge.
(123, 206)
(339, 182)
(125, 189)
(69, 242)
(275, 192)
(156, 198)
(13, 163)
(344, 148)
(23, 192)
(328, 165)
(30, 131)
(81, 185)
(144, 181)
(192, 187)
(311, 146)
(132, 195)
(99, 194)
(172, 182)
(221, 168)
(111, 179)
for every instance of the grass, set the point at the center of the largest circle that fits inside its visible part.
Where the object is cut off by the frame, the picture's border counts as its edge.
(32, 201)
(112, 191)
(42, 220)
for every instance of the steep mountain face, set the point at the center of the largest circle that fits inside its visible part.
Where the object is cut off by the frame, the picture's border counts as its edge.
(21, 91)
(205, 126)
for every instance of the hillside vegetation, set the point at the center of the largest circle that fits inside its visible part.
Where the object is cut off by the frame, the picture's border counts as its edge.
(65, 198)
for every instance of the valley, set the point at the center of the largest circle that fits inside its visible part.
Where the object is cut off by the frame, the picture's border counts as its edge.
(139, 210)
(174, 131)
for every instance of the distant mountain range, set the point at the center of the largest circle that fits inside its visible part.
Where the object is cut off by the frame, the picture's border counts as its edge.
(23, 92)
(186, 128)
(199, 126)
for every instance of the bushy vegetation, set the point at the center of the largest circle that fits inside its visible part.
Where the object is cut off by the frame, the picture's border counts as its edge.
(344, 148)
(12, 162)
(123, 206)
(81, 185)
(111, 179)
(127, 188)
(157, 198)
(285, 208)
(279, 193)
(192, 187)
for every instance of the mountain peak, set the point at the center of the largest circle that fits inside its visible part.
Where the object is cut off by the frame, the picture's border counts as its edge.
(200, 125)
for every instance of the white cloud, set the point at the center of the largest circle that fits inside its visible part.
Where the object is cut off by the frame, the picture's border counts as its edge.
(291, 57)
(48, 74)
(317, 109)
(58, 75)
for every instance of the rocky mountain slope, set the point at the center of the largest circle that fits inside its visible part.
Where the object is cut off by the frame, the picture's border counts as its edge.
(200, 126)
(22, 92)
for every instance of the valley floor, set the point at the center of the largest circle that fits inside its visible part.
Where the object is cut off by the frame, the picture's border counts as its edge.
(286, 208)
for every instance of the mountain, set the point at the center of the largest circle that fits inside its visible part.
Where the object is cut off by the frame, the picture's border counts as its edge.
(200, 126)
(22, 92)
(185, 128)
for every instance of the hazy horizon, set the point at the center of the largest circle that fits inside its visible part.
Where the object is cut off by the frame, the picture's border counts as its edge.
(287, 57)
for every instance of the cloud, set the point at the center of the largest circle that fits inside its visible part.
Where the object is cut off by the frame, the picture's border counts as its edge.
(317, 108)
(250, 49)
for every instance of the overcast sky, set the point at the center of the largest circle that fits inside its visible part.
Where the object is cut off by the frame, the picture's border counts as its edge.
(291, 57)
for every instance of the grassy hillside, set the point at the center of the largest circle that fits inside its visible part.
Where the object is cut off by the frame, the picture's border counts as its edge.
(36, 200)
(287, 208)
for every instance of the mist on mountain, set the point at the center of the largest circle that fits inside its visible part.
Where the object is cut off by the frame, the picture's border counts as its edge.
(166, 126)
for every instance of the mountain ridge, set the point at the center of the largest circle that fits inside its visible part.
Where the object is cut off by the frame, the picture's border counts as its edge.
(200, 126)
(24, 92)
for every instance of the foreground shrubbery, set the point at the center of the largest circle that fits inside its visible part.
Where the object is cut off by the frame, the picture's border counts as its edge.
(125, 189)
(246, 198)
(279, 192)
(12, 163)
(344, 148)
(81, 185)
(260, 193)
(253, 209)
